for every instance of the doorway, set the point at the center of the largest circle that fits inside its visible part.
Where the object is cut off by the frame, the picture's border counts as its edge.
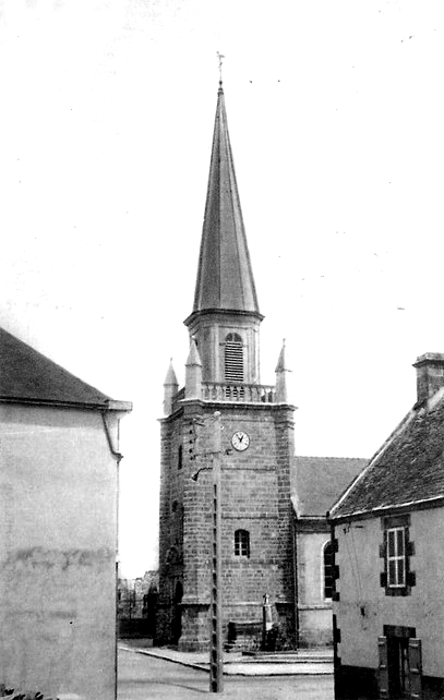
(398, 667)
(176, 626)
(399, 663)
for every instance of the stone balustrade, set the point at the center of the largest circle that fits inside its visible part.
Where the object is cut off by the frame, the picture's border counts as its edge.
(218, 391)
(250, 393)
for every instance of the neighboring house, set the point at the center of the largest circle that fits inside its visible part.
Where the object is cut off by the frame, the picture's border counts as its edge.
(316, 482)
(388, 536)
(58, 535)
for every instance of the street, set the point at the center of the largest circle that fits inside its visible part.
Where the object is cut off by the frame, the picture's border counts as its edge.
(142, 677)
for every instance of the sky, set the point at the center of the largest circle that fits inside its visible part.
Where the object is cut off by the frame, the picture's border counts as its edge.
(335, 114)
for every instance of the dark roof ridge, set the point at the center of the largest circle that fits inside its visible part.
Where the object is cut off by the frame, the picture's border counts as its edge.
(325, 457)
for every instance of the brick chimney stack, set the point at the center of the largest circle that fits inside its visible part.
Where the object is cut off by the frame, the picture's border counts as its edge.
(429, 374)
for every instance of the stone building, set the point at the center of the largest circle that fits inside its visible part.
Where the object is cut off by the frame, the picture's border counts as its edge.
(261, 527)
(58, 537)
(136, 605)
(389, 551)
(223, 374)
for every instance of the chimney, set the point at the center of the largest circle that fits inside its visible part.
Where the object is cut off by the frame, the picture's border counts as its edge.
(429, 374)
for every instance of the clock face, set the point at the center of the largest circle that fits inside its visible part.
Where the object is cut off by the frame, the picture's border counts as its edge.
(240, 441)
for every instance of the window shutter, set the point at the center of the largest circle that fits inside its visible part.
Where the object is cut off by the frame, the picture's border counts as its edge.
(234, 361)
(383, 667)
(411, 578)
(383, 579)
(415, 668)
(410, 549)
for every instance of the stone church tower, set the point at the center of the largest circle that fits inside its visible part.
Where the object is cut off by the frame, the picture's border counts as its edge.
(255, 451)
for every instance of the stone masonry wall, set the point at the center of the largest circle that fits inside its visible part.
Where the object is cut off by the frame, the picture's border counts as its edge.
(255, 490)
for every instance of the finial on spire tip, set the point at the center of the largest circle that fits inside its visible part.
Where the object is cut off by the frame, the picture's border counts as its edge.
(221, 58)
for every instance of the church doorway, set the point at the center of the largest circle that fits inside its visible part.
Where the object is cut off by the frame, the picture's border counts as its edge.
(176, 624)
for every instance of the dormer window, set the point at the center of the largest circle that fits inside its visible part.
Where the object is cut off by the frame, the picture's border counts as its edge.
(234, 358)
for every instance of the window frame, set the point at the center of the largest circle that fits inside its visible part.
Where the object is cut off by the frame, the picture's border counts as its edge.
(396, 551)
(331, 575)
(242, 543)
(396, 557)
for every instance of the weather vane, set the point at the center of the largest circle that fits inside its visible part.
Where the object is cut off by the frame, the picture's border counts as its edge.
(221, 58)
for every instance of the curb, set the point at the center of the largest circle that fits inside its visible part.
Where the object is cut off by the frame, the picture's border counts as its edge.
(252, 666)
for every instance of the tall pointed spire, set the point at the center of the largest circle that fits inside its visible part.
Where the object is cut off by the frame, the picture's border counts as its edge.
(225, 319)
(225, 278)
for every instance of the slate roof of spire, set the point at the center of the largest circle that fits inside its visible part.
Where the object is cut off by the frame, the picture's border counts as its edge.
(27, 376)
(171, 379)
(316, 482)
(225, 278)
(408, 469)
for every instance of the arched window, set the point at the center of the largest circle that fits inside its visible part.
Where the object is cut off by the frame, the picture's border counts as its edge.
(242, 543)
(328, 570)
(234, 358)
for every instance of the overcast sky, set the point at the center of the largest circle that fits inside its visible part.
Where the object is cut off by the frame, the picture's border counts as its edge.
(335, 112)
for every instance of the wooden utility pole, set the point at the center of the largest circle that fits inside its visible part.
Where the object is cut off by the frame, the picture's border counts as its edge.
(216, 652)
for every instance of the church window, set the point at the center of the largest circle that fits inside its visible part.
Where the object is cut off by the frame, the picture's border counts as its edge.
(242, 543)
(328, 570)
(234, 360)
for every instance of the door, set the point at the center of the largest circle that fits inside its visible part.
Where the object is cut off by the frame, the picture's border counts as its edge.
(383, 668)
(399, 667)
(177, 613)
(415, 668)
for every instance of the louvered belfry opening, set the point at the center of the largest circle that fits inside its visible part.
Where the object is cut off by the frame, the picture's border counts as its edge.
(234, 359)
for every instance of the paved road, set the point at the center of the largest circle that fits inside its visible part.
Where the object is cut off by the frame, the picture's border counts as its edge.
(143, 677)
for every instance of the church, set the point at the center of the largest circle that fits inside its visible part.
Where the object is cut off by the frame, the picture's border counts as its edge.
(225, 415)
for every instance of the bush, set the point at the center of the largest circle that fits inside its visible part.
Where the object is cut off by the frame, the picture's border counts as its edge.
(13, 694)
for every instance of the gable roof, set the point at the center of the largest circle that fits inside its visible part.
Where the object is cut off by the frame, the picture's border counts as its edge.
(318, 481)
(407, 470)
(225, 277)
(27, 376)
